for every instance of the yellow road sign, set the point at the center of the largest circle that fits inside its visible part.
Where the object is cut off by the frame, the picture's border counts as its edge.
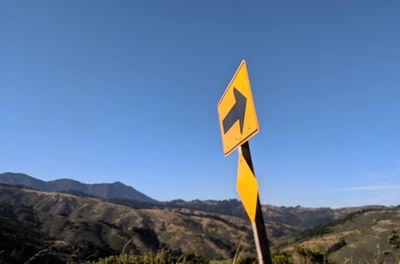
(247, 188)
(236, 111)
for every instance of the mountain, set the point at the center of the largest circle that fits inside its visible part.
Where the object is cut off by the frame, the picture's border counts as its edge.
(282, 221)
(49, 227)
(57, 227)
(368, 236)
(116, 190)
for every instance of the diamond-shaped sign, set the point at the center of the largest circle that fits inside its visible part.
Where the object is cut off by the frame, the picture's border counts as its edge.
(236, 112)
(247, 187)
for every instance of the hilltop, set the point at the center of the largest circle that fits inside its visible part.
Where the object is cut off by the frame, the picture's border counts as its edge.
(116, 190)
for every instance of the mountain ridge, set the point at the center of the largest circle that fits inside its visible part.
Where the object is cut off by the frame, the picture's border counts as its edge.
(115, 190)
(65, 225)
(286, 219)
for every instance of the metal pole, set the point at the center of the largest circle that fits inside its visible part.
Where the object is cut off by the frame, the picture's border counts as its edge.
(260, 234)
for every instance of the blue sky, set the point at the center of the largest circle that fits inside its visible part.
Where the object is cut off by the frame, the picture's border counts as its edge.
(104, 91)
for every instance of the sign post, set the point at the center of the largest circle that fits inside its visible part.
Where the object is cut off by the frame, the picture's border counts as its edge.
(259, 232)
(238, 123)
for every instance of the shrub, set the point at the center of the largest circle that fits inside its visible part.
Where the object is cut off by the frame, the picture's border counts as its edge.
(279, 257)
(314, 255)
(394, 239)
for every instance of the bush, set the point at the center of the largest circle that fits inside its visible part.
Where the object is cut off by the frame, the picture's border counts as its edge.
(394, 239)
(279, 257)
(313, 255)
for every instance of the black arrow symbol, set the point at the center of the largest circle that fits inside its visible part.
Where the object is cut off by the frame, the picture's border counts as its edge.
(236, 113)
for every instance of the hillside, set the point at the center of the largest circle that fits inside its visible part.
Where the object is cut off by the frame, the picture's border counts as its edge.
(61, 227)
(281, 221)
(370, 236)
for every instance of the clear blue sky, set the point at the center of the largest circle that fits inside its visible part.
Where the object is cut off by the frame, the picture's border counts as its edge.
(104, 91)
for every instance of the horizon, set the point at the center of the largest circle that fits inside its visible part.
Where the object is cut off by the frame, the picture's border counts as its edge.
(204, 200)
(101, 92)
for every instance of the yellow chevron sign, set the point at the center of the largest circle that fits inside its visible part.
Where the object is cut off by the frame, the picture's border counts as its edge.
(247, 187)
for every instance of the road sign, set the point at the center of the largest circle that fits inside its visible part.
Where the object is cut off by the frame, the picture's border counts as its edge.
(238, 123)
(247, 187)
(236, 111)
(248, 192)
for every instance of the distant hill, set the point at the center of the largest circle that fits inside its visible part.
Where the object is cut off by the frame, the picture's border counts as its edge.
(116, 190)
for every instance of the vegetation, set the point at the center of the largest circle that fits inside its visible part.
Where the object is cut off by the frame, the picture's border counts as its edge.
(281, 257)
(311, 255)
(394, 238)
(164, 257)
(370, 236)
(245, 258)
(160, 257)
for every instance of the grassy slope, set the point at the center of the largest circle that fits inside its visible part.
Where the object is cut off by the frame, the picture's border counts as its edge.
(372, 236)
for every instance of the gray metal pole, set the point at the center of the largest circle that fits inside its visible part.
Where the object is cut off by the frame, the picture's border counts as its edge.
(260, 234)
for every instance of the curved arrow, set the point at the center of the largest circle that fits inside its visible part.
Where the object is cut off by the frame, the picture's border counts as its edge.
(236, 113)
